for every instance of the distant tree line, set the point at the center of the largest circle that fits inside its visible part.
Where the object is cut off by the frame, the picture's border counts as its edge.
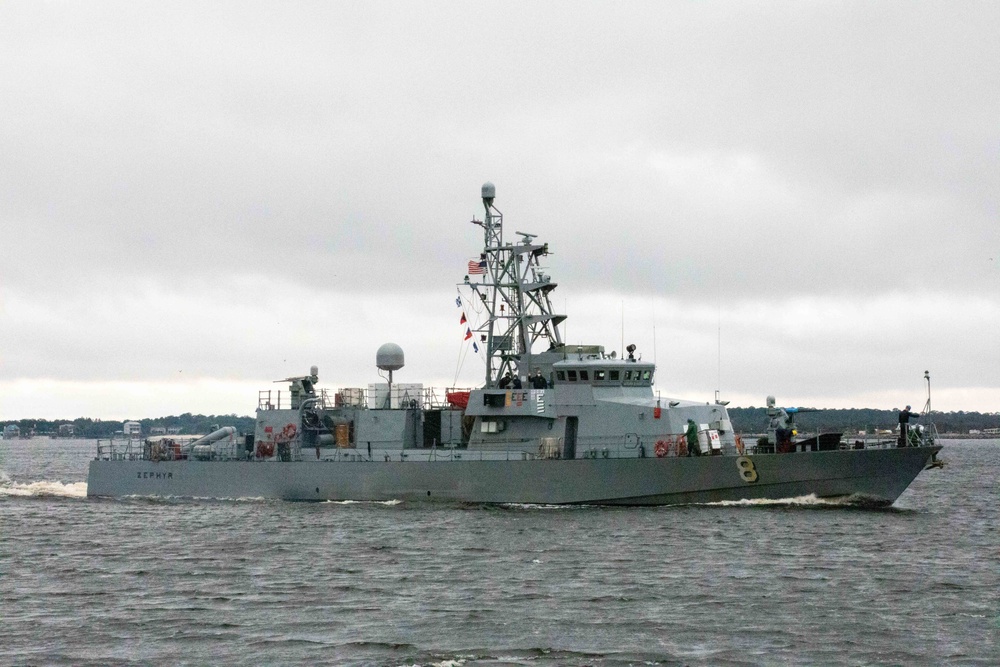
(754, 420)
(97, 428)
(745, 420)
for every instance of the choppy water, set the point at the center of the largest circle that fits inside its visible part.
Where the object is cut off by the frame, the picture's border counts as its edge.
(141, 581)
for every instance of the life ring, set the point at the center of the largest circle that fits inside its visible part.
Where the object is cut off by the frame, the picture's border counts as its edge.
(288, 433)
(739, 445)
(265, 450)
(661, 449)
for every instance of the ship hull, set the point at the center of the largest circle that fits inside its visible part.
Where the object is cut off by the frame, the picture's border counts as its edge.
(876, 476)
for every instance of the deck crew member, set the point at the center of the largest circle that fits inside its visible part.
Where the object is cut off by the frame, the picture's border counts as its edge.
(904, 425)
(692, 439)
(537, 381)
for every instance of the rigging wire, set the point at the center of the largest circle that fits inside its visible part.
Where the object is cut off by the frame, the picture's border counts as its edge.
(463, 350)
(718, 293)
(460, 357)
(652, 308)
(459, 363)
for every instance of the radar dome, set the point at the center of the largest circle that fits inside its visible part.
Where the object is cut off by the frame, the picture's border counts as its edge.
(389, 357)
(489, 190)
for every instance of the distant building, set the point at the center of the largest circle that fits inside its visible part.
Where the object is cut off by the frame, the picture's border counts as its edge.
(11, 432)
(158, 430)
(66, 430)
(131, 429)
(173, 430)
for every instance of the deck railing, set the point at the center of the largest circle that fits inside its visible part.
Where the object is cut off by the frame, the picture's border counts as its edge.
(629, 445)
(135, 449)
(426, 398)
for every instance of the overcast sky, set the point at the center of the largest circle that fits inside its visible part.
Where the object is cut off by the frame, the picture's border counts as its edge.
(791, 198)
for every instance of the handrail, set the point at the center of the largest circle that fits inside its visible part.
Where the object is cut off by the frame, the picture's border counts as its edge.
(628, 445)
(427, 398)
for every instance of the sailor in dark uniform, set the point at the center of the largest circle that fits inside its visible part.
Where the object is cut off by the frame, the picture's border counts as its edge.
(904, 425)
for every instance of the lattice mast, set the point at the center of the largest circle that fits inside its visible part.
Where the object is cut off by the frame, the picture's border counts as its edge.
(515, 292)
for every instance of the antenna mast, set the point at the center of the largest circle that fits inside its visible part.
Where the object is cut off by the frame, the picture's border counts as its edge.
(515, 292)
(927, 405)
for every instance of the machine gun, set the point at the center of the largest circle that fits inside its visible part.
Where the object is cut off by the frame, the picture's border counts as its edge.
(302, 387)
(781, 425)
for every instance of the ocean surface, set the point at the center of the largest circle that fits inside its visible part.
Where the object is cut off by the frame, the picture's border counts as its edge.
(255, 582)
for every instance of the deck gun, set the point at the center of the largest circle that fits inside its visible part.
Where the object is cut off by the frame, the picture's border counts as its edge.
(781, 424)
(302, 387)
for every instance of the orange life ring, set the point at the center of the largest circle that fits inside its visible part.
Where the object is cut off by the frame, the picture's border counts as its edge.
(288, 433)
(661, 449)
(682, 446)
(265, 450)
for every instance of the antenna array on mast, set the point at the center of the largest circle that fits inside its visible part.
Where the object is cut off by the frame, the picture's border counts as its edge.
(515, 293)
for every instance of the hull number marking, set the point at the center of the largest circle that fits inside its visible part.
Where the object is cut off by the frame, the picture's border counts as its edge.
(747, 471)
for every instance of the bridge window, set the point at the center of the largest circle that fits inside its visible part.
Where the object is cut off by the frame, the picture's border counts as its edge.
(494, 400)
(599, 375)
(646, 375)
(613, 376)
(571, 375)
(583, 376)
(561, 376)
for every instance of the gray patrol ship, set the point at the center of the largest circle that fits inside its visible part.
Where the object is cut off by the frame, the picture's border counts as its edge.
(553, 423)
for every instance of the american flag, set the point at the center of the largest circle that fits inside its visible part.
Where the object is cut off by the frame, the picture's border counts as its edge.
(477, 266)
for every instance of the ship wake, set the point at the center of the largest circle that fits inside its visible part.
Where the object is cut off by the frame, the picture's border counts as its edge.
(11, 488)
(810, 500)
(387, 503)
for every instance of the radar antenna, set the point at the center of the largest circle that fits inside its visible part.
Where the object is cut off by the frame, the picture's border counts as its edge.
(515, 292)
(927, 405)
(389, 357)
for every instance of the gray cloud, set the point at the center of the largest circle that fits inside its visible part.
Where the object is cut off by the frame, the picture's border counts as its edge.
(175, 174)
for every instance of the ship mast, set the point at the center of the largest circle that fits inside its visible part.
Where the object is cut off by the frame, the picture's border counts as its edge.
(927, 405)
(515, 293)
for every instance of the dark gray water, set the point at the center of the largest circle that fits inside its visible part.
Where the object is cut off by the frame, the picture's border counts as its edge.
(140, 581)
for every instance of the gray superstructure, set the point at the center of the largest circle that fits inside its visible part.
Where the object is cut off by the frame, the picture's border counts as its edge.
(553, 423)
